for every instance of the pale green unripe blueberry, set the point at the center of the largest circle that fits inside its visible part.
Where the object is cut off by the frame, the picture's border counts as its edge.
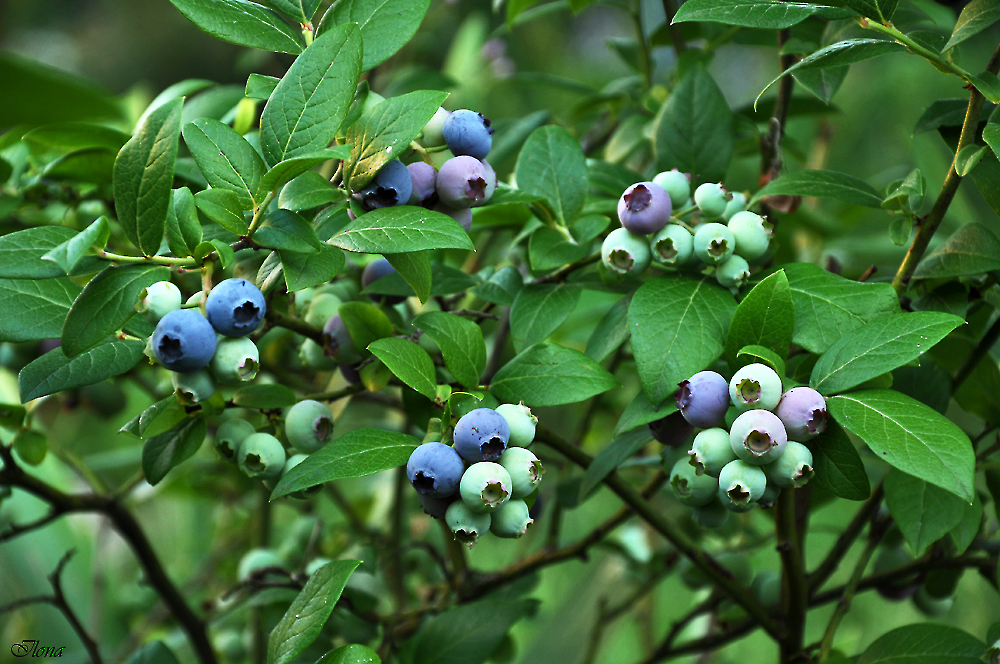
(758, 437)
(624, 252)
(755, 386)
(230, 644)
(733, 272)
(467, 525)
(713, 243)
(195, 299)
(511, 519)
(302, 494)
(752, 234)
(322, 308)
(255, 560)
(771, 494)
(158, 300)
(372, 100)
(677, 184)
(690, 488)
(738, 203)
(711, 451)
(193, 386)
(485, 486)
(303, 298)
(740, 484)
(711, 199)
(261, 455)
(521, 422)
(315, 564)
(525, 471)
(230, 435)
(312, 355)
(931, 606)
(713, 515)
(766, 586)
(793, 468)
(308, 425)
(672, 246)
(433, 130)
(236, 360)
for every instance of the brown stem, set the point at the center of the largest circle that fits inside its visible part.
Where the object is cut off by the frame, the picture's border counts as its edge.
(770, 142)
(295, 325)
(563, 272)
(709, 643)
(822, 573)
(794, 591)
(499, 340)
(676, 35)
(981, 350)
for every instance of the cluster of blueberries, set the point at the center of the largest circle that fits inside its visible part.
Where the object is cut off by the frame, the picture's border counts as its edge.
(763, 451)
(486, 480)
(725, 236)
(464, 181)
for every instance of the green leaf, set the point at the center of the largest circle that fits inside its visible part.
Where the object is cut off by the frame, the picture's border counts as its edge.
(839, 469)
(909, 436)
(310, 103)
(538, 310)
(160, 454)
(828, 306)
(69, 137)
(640, 411)
(46, 95)
(924, 513)
(879, 10)
(550, 375)
(286, 230)
(286, 171)
(765, 14)
(226, 159)
(972, 249)
(611, 331)
(468, 634)
(823, 184)
(184, 230)
(385, 131)
(879, 347)
(355, 454)
(241, 22)
(461, 343)
(106, 304)
(264, 397)
(678, 326)
(260, 86)
(924, 643)
(754, 353)
(225, 252)
(153, 653)
(224, 208)
(942, 113)
(549, 249)
(765, 318)
(968, 158)
(965, 532)
(501, 288)
(352, 653)
(21, 252)
(551, 165)
(365, 322)
(619, 450)
(304, 619)
(35, 310)
(386, 25)
(309, 190)
(304, 270)
(161, 416)
(975, 17)
(408, 362)
(302, 11)
(415, 269)
(54, 372)
(402, 229)
(68, 254)
(842, 53)
(143, 175)
(695, 129)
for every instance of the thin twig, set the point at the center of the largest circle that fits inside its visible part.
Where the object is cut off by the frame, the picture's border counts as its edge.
(822, 573)
(981, 350)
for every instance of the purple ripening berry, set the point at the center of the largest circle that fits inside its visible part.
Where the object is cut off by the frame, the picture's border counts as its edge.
(703, 399)
(644, 208)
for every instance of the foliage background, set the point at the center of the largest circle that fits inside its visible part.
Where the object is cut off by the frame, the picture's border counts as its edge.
(550, 66)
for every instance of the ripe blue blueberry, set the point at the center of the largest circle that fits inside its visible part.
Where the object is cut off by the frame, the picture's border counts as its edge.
(235, 361)
(424, 179)
(158, 300)
(311, 354)
(733, 272)
(525, 471)
(230, 435)
(803, 412)
(466, 524)
(350, 374)
(485, 486)
(433, 133)
(711, 451)
(322, 308)
(435, 470)
(435, 507)
(308, 425)
(510, 520)
(374, 271)
(521, 422)
(711, 199)
(465, 182)
(703, 399)
(690, 488)
(301, 494)
(793, 468)
(677, 185)
(758, 437)
(623, 252)
(644, 208)
(255, 561)
(713, 243)
(752, 234)
(337, 342)
(468, 133)
(192, 386)
(738, 203)
(463, 216)
(184, 340)
(390, 186)
(481, 435)
(672, 245)
(741, 484)
(755, 386)
(261, 455)
(713, 515)
(235, 308)
(672, 430)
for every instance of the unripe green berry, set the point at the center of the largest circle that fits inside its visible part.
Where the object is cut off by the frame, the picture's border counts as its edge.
(236, 360)
(738, 203)
(711, 451)
(322, 308)
(31, 446)
(711, 199)
(713, 515)
(713, 243)
(230, 435)
(510, 520)
(255, 560)
(158, 300)
(740, 484)
(312, 355)
(758, 437)
(771, 493)
(793, 468)
(261, 455)
(766, 586)
(677, 184)
(733, 272)
(521, 422)
(302, 494)
(193, 386)
(755, 386)
(752, 234)
(466, 524)
(485, 486)
(308, 425)
(623, 252)
(433, 134)
(690, 488)
(315, 564)
(525, 471)
(672, 246)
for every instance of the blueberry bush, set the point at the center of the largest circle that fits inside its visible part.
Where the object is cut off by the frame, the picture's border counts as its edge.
(350, 370)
